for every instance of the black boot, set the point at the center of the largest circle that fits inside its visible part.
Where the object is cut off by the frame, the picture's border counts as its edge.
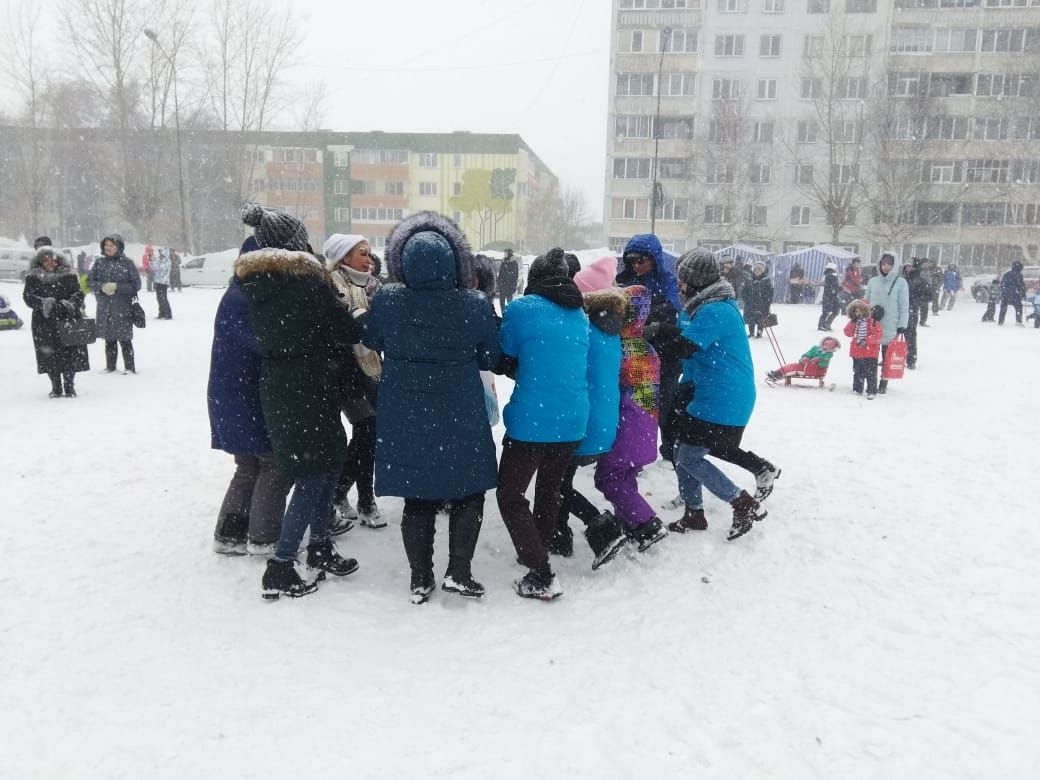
(417, 531)
(229, 538)
(746, 511)
(692, 520)
(648, 534)
(562, 541)
(70, 385)
(282, 579)
(606, 536)
(323, 556)
(463, 531)
(55, 386)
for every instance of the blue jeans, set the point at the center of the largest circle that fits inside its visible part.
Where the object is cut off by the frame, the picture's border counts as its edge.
(311, 505)
(693, 471)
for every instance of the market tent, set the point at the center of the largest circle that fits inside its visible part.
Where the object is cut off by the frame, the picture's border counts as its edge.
(813, 259)
(744, 253)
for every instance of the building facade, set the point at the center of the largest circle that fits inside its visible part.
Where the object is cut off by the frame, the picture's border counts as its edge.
(903, 124)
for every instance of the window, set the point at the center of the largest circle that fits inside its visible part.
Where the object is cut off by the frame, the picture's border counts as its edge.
(456, 161)
(986, 171)
(860, 6)
(769, 46)
(679, 41)
(1012, 3)
(676, 127)
(766, 89)
(803, 174)
(858, 45)
(758, 173)
(636, 41)
(379, 242)
(393, 187)
(379, 157)
(801, 215)
(427, 160)
(732, 6)
(294, 155)
(635, 83)
(652, 5)
(1003, 41)
(1026, 128)
(814, 46)
(946, 128)
(631, 167)
(1006, 85)
(671, 168)
(986, 213)
(763, 132)
(905, 84)
(811, 89)
(720, 173)
(844, 174)
(772, 6)
(675, 84)
(718, 215)
(341, 159)
(950, 84)
(374, 214)
(632, 126)
(673, 210)
(847, 132)
(853, 89)
(258, 185)
(941, 171)
(819, 6)
(725, 89)
(807, 131)
(359, 187)
(456, 190)
(629, 208)
(957, 40)
(912, 39)
(729, 45)
(1023, 214)
(722, 131)
(427, 188)
(937, 213)
(341, 214)
(991, 129)
(1025, 171)
(756, 215)
(341, 187)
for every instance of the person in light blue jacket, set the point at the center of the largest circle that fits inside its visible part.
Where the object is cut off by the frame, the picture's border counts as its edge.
(891, 291)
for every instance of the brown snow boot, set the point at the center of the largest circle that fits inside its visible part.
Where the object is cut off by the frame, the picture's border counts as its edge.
(745, 512)
(693, 520)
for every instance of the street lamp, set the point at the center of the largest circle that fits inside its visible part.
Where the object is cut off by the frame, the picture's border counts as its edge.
(656, 191)
(154, 38)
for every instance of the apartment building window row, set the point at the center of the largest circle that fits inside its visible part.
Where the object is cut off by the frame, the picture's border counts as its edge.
(981, 171)
(642, 126)
(376, 214)
(300, 212)
(292, 155)
(379, 157)
(636, 84)
(917, 83)
(632, 167)
(967, 3)
(851, 6)
(672, 168)
(294, 185)
(990, 40)
(659, 5)
(428, 188)
(772, 6)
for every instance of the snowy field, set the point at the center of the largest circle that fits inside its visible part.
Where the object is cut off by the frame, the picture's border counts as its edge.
(882, 622)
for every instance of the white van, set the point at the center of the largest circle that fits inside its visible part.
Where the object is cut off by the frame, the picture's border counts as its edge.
(212, 270)
(14, 263)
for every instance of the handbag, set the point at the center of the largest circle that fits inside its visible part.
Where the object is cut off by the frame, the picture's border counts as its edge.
(137, 318)
(78, 333)
(768, 321)
(895, 359)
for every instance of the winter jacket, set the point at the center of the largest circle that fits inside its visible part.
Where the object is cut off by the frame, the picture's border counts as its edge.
(236, 415)
(113, 311)
(853, 280)
(360, 367)
(606, 311)
(663, 286)
(1013, 285)
(55, 299)
(737, 278)
(952, 281)
(508, 276)
(758, 296)
(548, 335)
(893, 294)
(920, 291)
(831, 290)
(301, 330)
(161, 266)
(820, 355)
(721, 368)
(433, 438)
(870, 347)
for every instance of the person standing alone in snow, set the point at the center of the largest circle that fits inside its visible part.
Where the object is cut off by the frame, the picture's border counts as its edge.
(830, 304)
(115, 282)
(160, 280)
(508, 277)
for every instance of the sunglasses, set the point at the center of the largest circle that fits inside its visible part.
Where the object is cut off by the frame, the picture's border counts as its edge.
(639, 260)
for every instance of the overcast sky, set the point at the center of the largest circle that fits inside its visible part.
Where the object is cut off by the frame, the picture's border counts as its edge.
(533, 67)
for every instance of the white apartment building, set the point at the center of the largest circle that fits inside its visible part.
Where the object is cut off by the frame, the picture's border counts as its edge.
(905, 124)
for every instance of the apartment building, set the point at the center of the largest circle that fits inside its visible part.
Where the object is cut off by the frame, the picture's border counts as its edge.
(906, 124)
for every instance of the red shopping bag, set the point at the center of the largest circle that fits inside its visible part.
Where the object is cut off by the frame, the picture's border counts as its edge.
(895, 359)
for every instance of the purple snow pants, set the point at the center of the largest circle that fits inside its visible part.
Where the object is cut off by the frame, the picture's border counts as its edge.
(616, 472)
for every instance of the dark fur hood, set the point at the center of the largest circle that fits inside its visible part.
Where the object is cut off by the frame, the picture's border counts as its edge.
(280, 261)
(36, 267)
(606, 309)
(433, 222)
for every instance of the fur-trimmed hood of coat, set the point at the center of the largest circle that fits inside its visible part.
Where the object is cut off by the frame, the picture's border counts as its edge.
(606, 309)
(436, 266)
(280, 261)
(36, 266)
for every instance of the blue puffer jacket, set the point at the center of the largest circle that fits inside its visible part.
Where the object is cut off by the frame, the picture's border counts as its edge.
(661, 284)
(550, 402)
(606, 311)
(433, 439)
(236, 419)
(721, 368)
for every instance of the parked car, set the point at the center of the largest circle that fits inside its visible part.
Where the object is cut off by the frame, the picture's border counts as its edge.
(14, 263)
(214, 269)
(1031, 274)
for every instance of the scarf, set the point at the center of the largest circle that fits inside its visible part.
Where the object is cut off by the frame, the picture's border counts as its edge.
(717, 291)
(353, 289)
(559, 289)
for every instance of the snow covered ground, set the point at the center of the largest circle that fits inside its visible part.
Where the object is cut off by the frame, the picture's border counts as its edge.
(881, 623)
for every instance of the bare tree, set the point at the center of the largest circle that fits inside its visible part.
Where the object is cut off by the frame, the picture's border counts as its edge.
(555, 218)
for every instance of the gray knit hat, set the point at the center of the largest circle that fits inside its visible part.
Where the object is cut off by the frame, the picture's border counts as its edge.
(275, 228)
(698, 268)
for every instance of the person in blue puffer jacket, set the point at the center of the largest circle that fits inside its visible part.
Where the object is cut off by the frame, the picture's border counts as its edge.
(545, 347)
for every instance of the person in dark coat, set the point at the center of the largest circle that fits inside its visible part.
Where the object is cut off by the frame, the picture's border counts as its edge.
(301, 330)
(758, 297)
(115, 281)
(433, 437)
(175, 271)
(796, 284)
(250, 517)
(508, 277)
(1012, 291)
(920, 298)
(52, 292)
(830, 304)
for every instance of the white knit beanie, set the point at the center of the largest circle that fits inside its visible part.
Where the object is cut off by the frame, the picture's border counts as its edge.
(338, 246)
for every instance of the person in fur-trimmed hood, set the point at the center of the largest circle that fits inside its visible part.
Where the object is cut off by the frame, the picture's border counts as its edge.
(349, 259)
(864, 330)
(433, 437)
(52, 292)
(301, 330)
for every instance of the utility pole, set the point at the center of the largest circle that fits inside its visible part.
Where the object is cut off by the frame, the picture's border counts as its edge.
(656, 193)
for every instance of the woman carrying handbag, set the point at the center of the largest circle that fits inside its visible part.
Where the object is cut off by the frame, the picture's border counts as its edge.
(115, 281)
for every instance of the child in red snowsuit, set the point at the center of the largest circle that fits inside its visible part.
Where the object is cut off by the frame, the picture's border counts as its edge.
(813, 363)
(864, 328)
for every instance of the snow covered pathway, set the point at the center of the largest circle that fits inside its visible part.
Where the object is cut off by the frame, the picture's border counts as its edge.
(882, 622)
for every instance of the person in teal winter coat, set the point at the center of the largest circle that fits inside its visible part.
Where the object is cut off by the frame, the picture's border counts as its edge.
(889, 290)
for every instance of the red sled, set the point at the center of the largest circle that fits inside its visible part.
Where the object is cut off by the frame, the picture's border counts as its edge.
(895, 359)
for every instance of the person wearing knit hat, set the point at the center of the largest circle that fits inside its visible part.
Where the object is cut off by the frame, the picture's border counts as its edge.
(553, 264)
(42, 241)
(349, 259)
(758, 297)
(598, 275)
(275, 229)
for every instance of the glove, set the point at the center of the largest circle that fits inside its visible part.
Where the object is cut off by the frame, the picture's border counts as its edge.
(662, 330)
(109, 288)
(48, 306)
(69, 306)
(900, 331)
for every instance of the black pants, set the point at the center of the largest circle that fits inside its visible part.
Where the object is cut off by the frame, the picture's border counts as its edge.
(360, 465)
(111, 354)
(531, 531)
(503, 299)
(165, 313)
(828, 312)
(671, 370)
(864, 370)
(1004, 303)
(418, 526)
(723, 442)
(571, 501)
